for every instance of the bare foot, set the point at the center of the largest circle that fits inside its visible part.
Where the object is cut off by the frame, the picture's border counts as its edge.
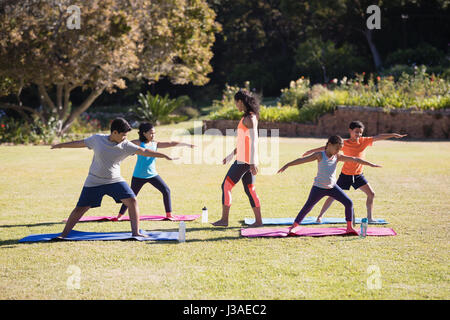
(319, 220)
(371, 221)
(220, 223)
(256, 225)
(140, 235)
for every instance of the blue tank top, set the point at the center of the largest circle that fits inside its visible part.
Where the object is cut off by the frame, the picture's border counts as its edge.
(146, 166)
(326, 174)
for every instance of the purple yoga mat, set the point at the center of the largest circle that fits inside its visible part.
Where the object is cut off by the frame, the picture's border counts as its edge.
(142, 218)
(310, 232)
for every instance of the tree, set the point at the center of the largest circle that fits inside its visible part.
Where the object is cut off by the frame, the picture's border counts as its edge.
(316, 56)
(117, 40)
(254, 44)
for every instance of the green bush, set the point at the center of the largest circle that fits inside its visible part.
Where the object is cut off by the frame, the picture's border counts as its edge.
(189, 112)
(279, 114)
(297, 93)
(19, 131)
(323, 60)
(227, 112)
(418, 90)
(270, 114)
(85, 124)
(397, 70)
(422, 54)
(155, 109)
(227, 100)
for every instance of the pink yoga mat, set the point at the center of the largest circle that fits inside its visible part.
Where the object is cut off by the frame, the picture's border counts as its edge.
(142, 218)
(310, 232)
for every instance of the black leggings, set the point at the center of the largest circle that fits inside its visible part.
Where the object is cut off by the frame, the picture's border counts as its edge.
(158, 183)
(240, 171)
(318, 193)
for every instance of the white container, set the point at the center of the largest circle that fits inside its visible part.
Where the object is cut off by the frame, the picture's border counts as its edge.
(182, 232)
(204, 215)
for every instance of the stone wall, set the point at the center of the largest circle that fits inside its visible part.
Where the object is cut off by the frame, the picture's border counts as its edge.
(417, 124)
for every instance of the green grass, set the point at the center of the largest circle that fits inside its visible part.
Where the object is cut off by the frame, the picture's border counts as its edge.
(41, 186)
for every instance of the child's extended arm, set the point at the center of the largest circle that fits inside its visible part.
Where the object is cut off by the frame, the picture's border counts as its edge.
(154, 154)
(72, 144)
(358, 160)
(174, 144)
(384, 136)
(314, 156)
(307, 153)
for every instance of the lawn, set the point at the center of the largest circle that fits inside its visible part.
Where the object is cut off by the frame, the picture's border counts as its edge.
(40, 187)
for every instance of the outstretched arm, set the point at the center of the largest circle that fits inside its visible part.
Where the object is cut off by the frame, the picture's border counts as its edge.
(174, 144)
(384, 136)
(136, 142)
(314, 156)
(358, 160)
(307, 153)
(72, 144)
(154, 154)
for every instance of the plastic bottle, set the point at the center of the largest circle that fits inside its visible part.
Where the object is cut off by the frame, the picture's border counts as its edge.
(182, 232)
(363, 232)
(204, 215)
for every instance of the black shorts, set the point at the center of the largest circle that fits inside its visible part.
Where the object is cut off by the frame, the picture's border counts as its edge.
(345, 181)
(92, 196)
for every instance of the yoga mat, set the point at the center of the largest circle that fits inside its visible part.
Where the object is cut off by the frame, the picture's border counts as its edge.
(141, 218)
(82, 236)
(308, 221)
(311, 232)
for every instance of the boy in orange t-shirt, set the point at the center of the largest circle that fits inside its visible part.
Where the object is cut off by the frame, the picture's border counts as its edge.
(351, 174)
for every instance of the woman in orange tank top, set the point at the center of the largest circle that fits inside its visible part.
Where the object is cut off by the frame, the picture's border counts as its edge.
(245, 166)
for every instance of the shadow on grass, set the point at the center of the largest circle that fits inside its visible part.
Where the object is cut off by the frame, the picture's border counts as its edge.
(7, 243)
(12, 243)
(31, 225)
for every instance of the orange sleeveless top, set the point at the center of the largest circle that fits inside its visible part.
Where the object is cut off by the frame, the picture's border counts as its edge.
(243, 152)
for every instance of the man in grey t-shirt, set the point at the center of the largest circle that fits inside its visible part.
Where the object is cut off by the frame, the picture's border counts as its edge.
(104, 174)
(105, 166)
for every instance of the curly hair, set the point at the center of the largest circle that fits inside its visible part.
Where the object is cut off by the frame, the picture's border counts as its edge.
(250, 102)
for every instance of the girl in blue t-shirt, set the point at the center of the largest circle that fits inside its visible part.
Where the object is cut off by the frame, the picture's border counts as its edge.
(145, 169)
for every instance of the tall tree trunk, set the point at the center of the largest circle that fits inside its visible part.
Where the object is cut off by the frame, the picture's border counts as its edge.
(47, 103)
(375, 55)
(83, 107)
(67, 90)
(59, 97)
(324, 73)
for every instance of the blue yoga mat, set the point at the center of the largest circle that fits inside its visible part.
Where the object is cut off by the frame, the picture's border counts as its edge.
(83, 236)
(307, 221)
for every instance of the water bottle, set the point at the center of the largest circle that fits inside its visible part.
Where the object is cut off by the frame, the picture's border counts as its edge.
(204, 215)
(182, 232)
(363, 232)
